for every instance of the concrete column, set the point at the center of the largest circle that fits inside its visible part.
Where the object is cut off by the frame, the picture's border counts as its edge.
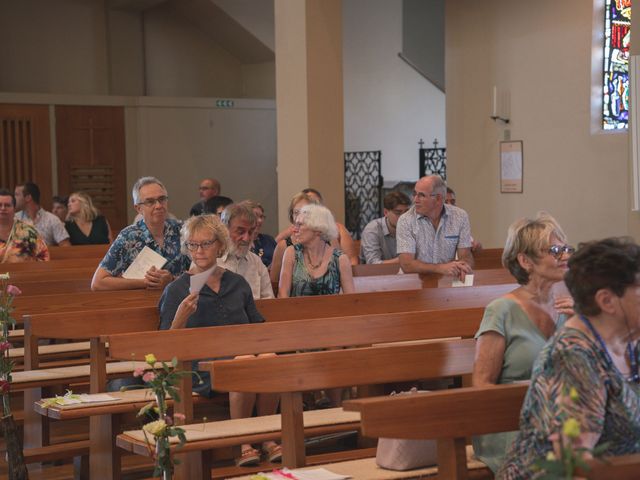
(309, 101)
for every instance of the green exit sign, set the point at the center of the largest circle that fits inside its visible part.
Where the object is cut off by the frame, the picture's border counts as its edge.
(224, 103)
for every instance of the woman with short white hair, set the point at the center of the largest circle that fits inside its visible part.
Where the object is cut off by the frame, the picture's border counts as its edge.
(313, 266)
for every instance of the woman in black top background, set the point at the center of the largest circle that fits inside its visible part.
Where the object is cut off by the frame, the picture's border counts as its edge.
(84, 223)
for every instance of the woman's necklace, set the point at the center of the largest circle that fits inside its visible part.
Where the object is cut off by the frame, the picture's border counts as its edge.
(633, 359)
(314, 267)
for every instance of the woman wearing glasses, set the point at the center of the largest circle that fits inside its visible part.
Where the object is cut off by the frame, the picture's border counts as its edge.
(225, 299)
(594, 357)
(516, 326)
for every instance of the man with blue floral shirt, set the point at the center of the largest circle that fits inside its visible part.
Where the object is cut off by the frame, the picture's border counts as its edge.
(156, 231)
(431, 233)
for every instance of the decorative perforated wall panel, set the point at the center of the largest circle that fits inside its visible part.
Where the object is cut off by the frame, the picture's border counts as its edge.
(363, 188)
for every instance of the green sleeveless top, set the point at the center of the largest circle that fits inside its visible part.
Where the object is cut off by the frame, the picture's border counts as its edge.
(303, 284)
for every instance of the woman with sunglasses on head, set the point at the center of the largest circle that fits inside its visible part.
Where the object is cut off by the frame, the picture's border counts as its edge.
(225, 299)
(516, 326)
(594, 357)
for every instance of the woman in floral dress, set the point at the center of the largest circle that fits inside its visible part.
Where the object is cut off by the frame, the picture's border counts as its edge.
(19, 242)
(595, 357)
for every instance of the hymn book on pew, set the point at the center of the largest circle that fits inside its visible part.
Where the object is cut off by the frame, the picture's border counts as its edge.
(146, 259)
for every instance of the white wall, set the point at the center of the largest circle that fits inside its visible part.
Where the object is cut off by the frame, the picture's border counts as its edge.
(388, 106)
(541, 52)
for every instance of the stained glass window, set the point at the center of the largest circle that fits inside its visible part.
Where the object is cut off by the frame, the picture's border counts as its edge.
(617, 35)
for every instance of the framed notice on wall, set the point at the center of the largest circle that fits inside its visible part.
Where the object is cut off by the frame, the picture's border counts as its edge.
(511, 167)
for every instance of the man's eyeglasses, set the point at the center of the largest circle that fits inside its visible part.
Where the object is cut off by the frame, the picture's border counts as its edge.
(150, 202)
(424, 195)
(558, 250)
(206, 245)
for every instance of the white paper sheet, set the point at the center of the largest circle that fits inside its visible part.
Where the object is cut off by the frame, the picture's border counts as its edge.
(146, 259)
(468, 281)
(311, 474)
(198, 280)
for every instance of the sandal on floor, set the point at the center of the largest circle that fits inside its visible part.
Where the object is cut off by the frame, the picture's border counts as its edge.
(249, 458)
(273, 453)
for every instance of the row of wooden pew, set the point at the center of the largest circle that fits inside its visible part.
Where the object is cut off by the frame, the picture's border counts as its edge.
(365, 320)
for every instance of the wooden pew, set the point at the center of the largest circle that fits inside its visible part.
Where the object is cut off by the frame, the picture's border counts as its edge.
(488, 258)
(447, 416)
(192, 344)
(75, 325)
(55, 286)
(84, 301)
(379, 302)
(49, 266)
(78, 251)
(293, 374)
(369, 270)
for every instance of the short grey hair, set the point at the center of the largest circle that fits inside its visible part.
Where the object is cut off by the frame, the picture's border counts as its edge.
(529, 236)
(241, 210)
(320, 219)
(439, 186)
(208, 223)
(141, 182)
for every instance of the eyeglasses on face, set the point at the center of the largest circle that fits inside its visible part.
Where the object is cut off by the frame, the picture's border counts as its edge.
(422, 196)
(150, 202)
(206, 245)
(558, 250)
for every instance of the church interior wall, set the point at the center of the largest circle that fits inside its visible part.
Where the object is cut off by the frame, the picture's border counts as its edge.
(542, 54)
(388, 106)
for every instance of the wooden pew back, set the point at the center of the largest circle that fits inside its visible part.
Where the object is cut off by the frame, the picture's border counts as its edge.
(78, 251)
(448, 416)
(343, 368)
(379, 302)
(197, 343)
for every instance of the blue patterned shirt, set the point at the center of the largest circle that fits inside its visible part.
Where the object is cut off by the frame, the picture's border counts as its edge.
(132, 239)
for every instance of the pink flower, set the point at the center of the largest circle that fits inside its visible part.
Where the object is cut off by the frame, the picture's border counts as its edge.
(4, 346)
(4, 387)
(13, 291)
(149, 377)
(138, 372)
(179, 416)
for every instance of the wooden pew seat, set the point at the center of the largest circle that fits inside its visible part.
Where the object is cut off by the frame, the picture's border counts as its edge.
(366, 469)
(222, 433)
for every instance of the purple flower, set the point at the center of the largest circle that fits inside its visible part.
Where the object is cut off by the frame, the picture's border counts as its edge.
(4, 387)
(13, 290)
(4, 346)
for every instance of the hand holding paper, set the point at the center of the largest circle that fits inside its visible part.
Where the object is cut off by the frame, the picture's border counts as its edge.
(146, 259)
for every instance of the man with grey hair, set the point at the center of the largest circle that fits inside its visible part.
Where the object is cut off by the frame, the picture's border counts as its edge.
(241, 222)
(154, 230)
(431, 233)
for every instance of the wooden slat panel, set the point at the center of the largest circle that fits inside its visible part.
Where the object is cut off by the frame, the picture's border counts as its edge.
(25, 147)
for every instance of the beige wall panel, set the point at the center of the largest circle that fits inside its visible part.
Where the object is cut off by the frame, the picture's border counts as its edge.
(182, 61)
(53, 47)
(540, 52)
